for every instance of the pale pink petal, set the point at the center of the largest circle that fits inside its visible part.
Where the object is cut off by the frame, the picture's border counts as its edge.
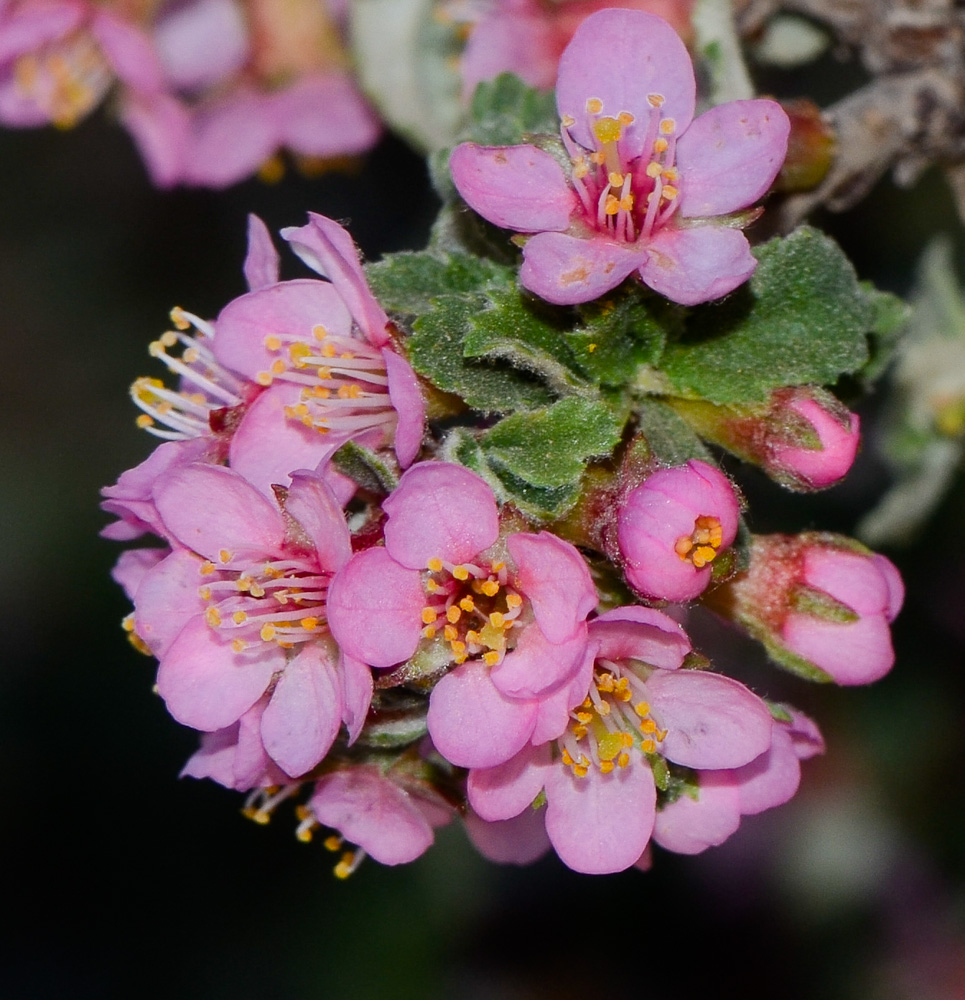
(639, 633)
(374, 813)
(538, 667)
(894, 583)
(827, 464)
(567, 270)
(211, 509)
(129, 51)
(305, 712)
(850, 577)
(317, 510)
(439, 511)
(620, 57)
(553, 715)
(328, 249)
(357, 686)
(600, 823)
(375, 608)
(215, 759)
(160, 126)
(267, 446)
(697, 265)
(517, 841)
(806, 738)
(407, 400)
(290, 309)
(687, 826)
(516, 187)
(262, 260)
(712, 721)
(33, 25)
(201, 43)
(852, 653)
(554, 577)
(771, 779)
(325, 115)
(510, 38)
(472, 724)
(253, 768)
(504, 791)
(653, 569)
(133, 565)
(206, 684)
(167, 598)
(729, 157)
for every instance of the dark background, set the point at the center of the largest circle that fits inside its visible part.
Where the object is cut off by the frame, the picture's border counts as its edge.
(121, 881)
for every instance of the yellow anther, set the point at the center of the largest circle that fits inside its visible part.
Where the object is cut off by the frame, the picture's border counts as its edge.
(458, 658)
(346, 355)
(268, 632)
(491, 588)
(277, 367)
(453, 613)
(298, 353)
(257, 590)
(655, 100)
(429, 615)
(449, 633)
(654, 169)
(263, 378)
(513, 601)
(626, 205)
(497, 619)
(584, 717)
(239, 645)
(611, 205)
(204, 593)
(660, 146)
(432, 587)
(304, 834)
(460, 572)
(261, 817)
(567, 121)
(565, 757)
(472, 636)
(661, 735)
(467, 604)
(179, 319)
(310, 623)
(648, 746)
(144, 421)
(351, 391)
(491, 658)
(239, 617)
(345, 867)
(580, 732)
(213, 617)
(623, 759)
(642, 709)
(581, 169)
(627, 740)
(606, 766)
(667, 126)
(272, 342)
(225, 556)
(587, 703)
(671, 174)
(682, 546)
(332, 842)
(598, 158)
(319, 332)
(603, 708)
(605, 683)
(434, 565)
(607, 130)
(615, 179)
(495, 566)
(669, 192)
(648, 726)
(580, 770)
(594, 105)
(127, 623)
(191, 355)
(430, 632)
(323, 372)
(702, 555)
(625, 118)
(458, 647)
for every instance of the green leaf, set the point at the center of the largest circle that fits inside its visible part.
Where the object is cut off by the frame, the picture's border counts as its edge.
(525, 332)
(802, 319)
(891, 316)
(436, 352)
(539, 502)
(506, 111)
(669, 437)
(408, 282)
(620, 334)
(365, 467)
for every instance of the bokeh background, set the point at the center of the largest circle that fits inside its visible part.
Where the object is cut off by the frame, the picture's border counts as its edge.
(121, 881)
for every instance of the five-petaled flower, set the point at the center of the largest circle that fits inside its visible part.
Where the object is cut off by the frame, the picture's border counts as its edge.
(647, 181)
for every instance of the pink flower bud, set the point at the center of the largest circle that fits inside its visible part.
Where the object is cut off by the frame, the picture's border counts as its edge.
(822, 605)
(672, 526)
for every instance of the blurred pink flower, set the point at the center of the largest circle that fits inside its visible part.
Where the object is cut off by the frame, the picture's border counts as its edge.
(672, 526)
(647, 179)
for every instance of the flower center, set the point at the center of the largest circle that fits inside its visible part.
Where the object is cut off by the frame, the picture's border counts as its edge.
(345, 388)
(627, 199)
(281, 600)
(702, 545)
(614, 718)
(474, 606)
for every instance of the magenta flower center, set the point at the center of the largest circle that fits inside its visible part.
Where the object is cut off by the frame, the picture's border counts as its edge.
(626, 199)
(475, 608)
(281, 600)
(345, 388)
(702, 544)
(612, 721)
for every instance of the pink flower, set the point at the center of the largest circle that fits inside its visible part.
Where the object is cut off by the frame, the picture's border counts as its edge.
(821, 602)
(647, 179)
(506, 608)
(601, 794)
(693, 822)
(672, 526)
(237, 611)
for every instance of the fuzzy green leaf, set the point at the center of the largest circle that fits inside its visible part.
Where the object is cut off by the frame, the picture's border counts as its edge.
(506, 111)
(803, 318)
(365, 467)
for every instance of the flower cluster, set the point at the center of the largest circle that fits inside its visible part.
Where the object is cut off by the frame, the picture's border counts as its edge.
(362, 604)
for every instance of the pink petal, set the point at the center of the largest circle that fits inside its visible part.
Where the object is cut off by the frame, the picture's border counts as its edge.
(253, 767)
(201, 43)
(697, 265)
(160, 126)
(553, 715)
(408, 402)
(806, 738)
(439, 511)
(894, 583)
(133, 565)
(262, 260)
(205, 684)
(850, 577)
(472, 724)
(554, 578)
(729, 157)
(620, 57)
(504, 791)
(129, 51)
(305, 712)
(209, 509)
(712, 721)
(167, 598)
(689, 827)
(517, 841)
(375, 608)
(516, 187)
(509, 38)
(357, 687)
(771, 779)
(215, 759)
(538, 667)
(328, 249)
(654, 570)
(852, 653)
(290, 308)
(374, 813)
(567, 270)
(317, 510)
(600, 823)
(34, 25)
(639, 633)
